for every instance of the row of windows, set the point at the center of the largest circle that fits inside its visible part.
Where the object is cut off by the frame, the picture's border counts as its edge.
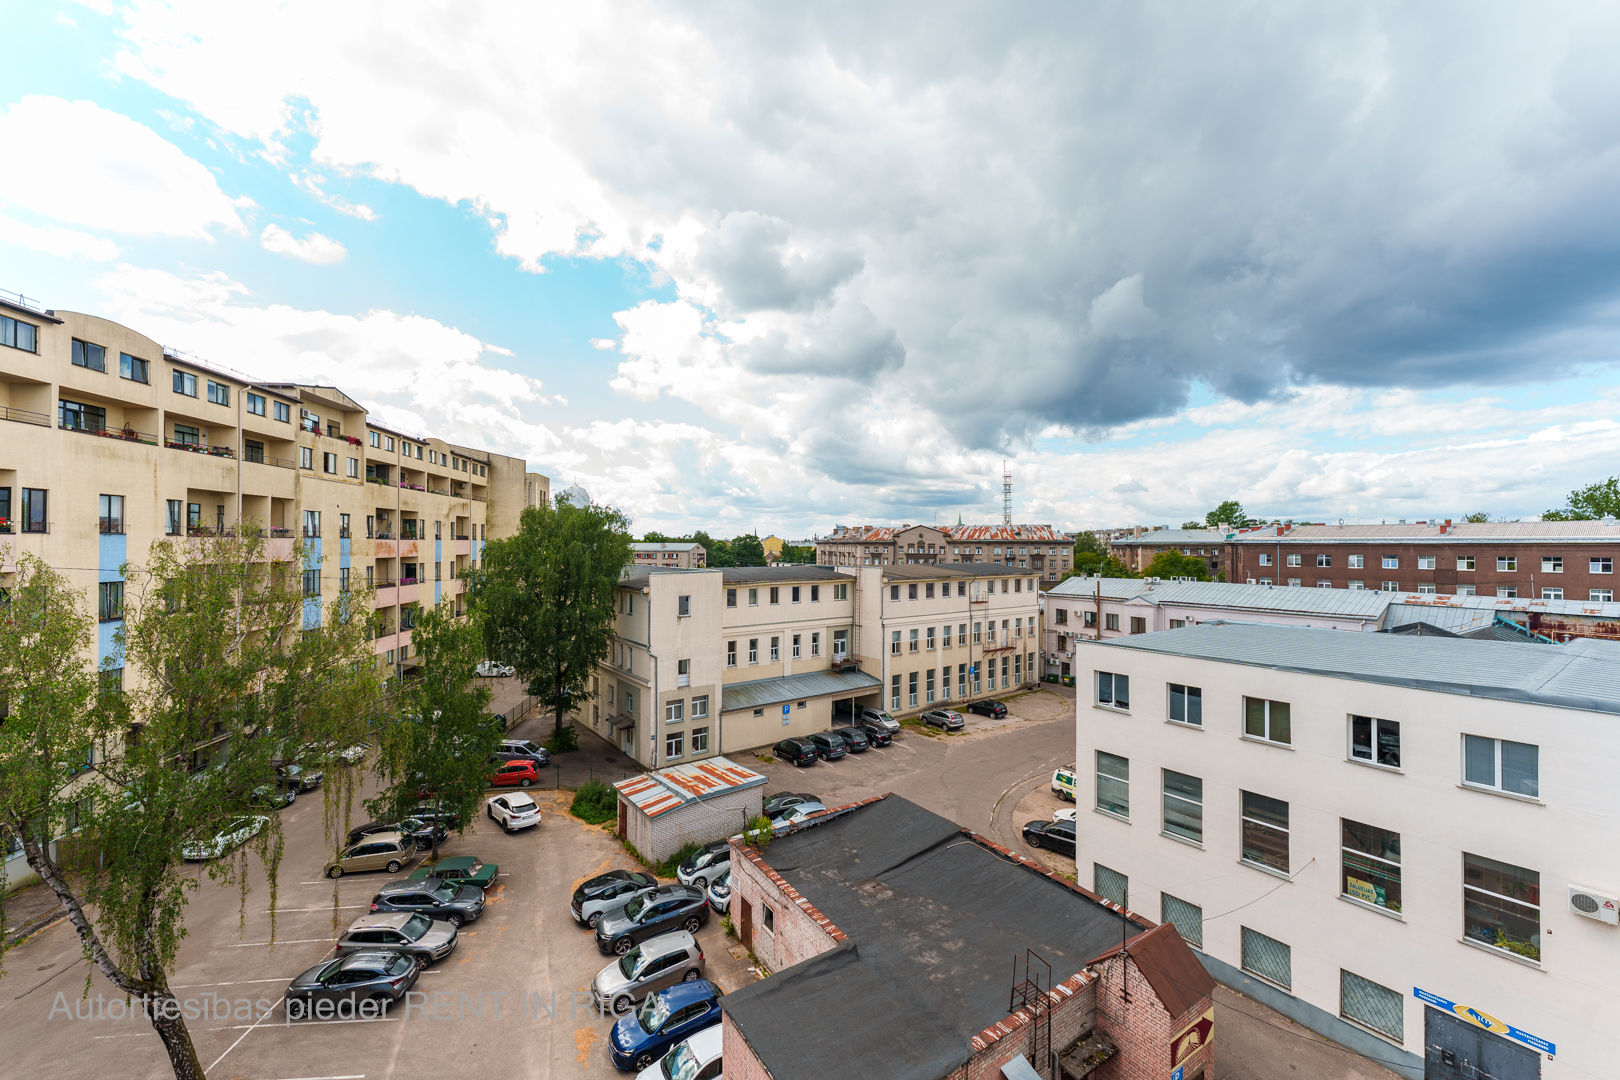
(840, 640)
(912, 689)
(674, 743)
(675, 711)
(924, 640)
(1550, 564)
(1426, 588)
(18, 334)
(796, 594)
(927, 588)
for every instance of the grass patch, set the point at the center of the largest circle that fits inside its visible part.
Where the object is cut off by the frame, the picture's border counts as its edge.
(766, 758)
(595, 802)
(919, 727)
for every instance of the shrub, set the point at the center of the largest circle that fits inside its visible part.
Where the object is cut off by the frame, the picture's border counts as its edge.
(667, 867)
(595, 802)
(759, 833)
(563, 741)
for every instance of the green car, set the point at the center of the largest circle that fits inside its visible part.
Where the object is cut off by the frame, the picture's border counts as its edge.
(460, 870)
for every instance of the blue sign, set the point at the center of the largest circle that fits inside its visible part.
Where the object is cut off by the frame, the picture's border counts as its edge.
(1485, 1021)
(785, 709)
(1177, 1074)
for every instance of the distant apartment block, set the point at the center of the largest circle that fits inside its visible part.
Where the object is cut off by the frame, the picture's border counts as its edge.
(1136, 547)
(680, 555)
(1040, 548)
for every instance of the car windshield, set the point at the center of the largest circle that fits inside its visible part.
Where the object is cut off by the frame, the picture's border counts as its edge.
(681, 1063)
(628, 962)
(400, 966)
(415, 927)
(704, 859)
(527, 747)
(329, 970)
(445, 892)
(653, 1014)
(410, 824)
(887, 719)
(635, 907)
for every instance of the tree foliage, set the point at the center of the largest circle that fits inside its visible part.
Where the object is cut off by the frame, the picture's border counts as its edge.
(803, 554)
(1478, 517)
(1087, 543)
(1590, 503)
(1230, 512)
(747, 550)
(225, 675)
(546, 597)
(1173, 564)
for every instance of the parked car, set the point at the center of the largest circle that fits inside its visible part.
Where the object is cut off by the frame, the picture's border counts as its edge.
(698, 1058)
(277, 795)
(829, 747)
(1057, 835)
(1068, 813)
(523, 750)
(784, 799)
(515, 811)
(388, 851)
(862, 716)
(514, 774)
(367, 975)
(668, 1017)
(701, 868)
(1063, 783)
(434, 897)
(948, 719)
(238, 832)
(649, 967)
(448, 818)
(460, 870)
(797, 751)
(422, 832)
(988, 707)
(720, 892)
(416, 934)
(658, 911)
(489, 669)
(330, 753)
(795, 815)
(307, 779)
(855, 737)
(609, 890)
(877, 733)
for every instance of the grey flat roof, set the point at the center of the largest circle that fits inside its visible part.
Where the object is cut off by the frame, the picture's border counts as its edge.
(1351, 603)
(741, 575)
(934, 920)
(812, 684)
(1580, 674)
(1186, 537)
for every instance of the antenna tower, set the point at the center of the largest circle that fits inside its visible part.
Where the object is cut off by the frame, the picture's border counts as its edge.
(1006, 494)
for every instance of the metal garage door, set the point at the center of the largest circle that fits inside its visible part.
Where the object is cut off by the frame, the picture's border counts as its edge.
(1454, 1049)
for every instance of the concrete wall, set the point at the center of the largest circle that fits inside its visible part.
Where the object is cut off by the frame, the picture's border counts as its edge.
(1565, 835)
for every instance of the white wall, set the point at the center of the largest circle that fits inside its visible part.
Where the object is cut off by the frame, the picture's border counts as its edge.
(1568, 836)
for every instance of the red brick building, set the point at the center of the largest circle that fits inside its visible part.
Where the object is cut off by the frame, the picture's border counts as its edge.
(906, 947)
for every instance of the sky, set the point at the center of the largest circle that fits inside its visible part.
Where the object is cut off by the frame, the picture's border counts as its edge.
(772, 268)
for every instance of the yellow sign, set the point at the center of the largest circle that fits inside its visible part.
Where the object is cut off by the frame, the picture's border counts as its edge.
(1479, 1019)
(1364, 891)
(1193, 1038)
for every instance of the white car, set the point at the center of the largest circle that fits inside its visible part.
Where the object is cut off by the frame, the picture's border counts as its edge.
(235, 834)
(698, 1058)
(720, 893)
(1066, 814)
(489, 669)
(514, 811)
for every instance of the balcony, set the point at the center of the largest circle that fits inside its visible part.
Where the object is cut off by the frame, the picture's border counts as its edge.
(312, 533)
(201, 448)
(124, 434)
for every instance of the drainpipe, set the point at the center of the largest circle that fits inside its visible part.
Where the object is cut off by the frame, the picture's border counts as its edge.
(656, 727)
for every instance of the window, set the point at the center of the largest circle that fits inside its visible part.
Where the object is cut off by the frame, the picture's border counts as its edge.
(112, 514)
(1426, 588)
(1178, 624)
(312, 584)
(894, 592)
(912, 686)
(931, 642)
(911, 592)
(1552, 594)
(1465, 590)
(1113, 784)
(354, 468)
(928, 689)
(252, 451)
(700, 738)
(1375, 741)
(913, 641)
(1111, 884)
(1502, 765)
(90, 356)
(1186, 704)
(283, 411)
(312, 523)
(1265, 831)
(1425, 562)
(134, 368)
(1268, 720)
(219, 393)
(894, 643)
(961, 633)
(753, 598)
(683, 607)
(1604, 565)
(775, 595)
(894, 693)
(35, 518)
(185, 383)
(1552, 564)
(1507, 562)
(700, 709)
(329, 463)
(1110, 622)
(343, 578)
(977, 632)
(1268, 958)
(110, 600)
(731, 654)
(776, 649)
(1364, 1002)
(1324, 560)
(674, 711)
(1600, 596)
(840, 592)
(1370, 865)
(1265, 558)
(1138, 624)
(928, 591)
(1502, 906)
(731, 598)
(674, 744)
(1356, 562)
(18, 334)
(1113, 691)
(1188, 919)
(77, 417)
(306, 455)
(753, 650)
(1090, 618)
(1184, 806)
(1294, 560)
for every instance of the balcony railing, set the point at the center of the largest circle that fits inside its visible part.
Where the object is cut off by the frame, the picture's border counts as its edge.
(407, 581)
(412, 487)
(25, 416)
(385, 583)
(112, 526)
(280, 533)
(124, 434)
(200, 448)
(384, 534)
(312, 534)
(343, 533)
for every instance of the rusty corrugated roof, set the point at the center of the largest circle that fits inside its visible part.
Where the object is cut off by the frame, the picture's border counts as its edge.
(1170, 967)
(663, 790)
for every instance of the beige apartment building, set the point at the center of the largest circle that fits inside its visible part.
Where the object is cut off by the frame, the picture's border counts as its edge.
(1028, 547)
(680, 556)
(876, 545)
(111, 442)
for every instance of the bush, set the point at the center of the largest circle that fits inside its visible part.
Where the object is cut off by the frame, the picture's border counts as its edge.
(759, 833)
(595, 802)
(667, 867)
(563, 741)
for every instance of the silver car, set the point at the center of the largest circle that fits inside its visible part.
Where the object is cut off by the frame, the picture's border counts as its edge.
(415, 934)
(649, 967)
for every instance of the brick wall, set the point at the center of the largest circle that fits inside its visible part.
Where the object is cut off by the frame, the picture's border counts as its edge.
(800, 930)
(741, 1061)
(1073, 1013)
(1142, 1028)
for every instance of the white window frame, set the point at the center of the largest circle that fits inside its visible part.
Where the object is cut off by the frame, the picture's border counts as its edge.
(1426, 562)
(1603, 565)
(1267, 722)
(1465, 563)
(1356, 562)
(1552, 564)
(1113, 685)
(1188, 695)
(1122, 813)
(674, 711)
(1505, 563)
(700, 707)
(1495, 786)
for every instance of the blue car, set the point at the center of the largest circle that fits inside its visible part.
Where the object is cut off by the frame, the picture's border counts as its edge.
(666, 1018)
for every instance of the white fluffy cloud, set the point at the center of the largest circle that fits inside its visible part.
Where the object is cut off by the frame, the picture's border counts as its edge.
(313, 248)
(54, 240)
(99, 169)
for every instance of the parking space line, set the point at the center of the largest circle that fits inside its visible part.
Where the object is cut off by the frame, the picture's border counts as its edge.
(350, 1076)
(294, 941)
(301, 1024)
(240, 982)
(244, 1035)
(323, 907)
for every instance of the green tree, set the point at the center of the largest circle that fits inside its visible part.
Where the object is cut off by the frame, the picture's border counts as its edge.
(1590, 503)
(802, 554)
(716, 552)
(1231, 512)
(228, 670)
(546, 595)
(1192, 524)
(1173, 564)
(445, 739)
(1087, 543)
(1479, 517)
(1092, 563)
(746, 550)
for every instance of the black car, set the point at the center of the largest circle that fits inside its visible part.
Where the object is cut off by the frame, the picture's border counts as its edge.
(306, 779)
(1057, 835)
(669, 907)
(608, 891)
(798, 751)
(829, 747)
(988, 707)
(522, 750)
(784, 799)
(877, 733)
(455, 904)
(854, 736)
(418, 829)
(448, 819)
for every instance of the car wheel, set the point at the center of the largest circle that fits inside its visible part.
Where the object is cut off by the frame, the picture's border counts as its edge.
(423, 845)
(335, 872)
(691, 924)
(622, 946)
(1034, 840)
(701, 883)
(622, 1004)
(525, 782)
(644, 1060)
(453, 920)
(596, 917)
(507, 825)
(691, 976)
(393, 866)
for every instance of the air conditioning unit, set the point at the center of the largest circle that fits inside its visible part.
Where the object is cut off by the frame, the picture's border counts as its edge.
(1605, 909)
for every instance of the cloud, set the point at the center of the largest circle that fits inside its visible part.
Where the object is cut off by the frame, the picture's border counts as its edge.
(313, 248)
(57, 241)
(311, 184)
(99, 169)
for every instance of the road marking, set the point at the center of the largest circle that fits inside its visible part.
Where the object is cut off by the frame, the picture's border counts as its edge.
(295, 941)
(302, 1024)
(129, 1035)
(239, 982)
(350, 1076)
(323, 907)
(244, 1035)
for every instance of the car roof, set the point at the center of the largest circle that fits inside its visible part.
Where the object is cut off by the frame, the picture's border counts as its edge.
(388, 888)
(688, 993)
(456, 862)
(515, 798)
(392, 920)
(370, 959)
(378, 837)
(664, 944)
(706, 1043)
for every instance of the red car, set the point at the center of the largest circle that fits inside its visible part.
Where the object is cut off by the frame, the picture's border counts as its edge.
(515, 774)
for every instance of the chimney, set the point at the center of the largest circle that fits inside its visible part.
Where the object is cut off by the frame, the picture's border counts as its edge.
(1445, 527)
(1136, 532)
